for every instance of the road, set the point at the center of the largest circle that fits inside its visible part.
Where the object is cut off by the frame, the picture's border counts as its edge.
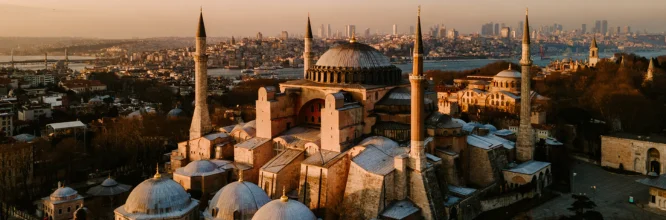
(611, 195)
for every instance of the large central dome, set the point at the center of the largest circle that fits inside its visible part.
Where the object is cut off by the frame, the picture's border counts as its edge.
(354, 55)
(354, 63)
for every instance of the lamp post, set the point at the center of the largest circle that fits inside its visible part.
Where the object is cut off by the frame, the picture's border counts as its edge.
(573, 188)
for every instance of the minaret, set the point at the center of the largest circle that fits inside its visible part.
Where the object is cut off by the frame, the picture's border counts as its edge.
(307, 52)
(417, 153)
(525, 149)
(12, 62)
(594, 52)
(201, 119)
(66, 59)
(650, 71)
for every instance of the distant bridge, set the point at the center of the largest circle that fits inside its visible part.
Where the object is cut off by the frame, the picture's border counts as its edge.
(56, 60)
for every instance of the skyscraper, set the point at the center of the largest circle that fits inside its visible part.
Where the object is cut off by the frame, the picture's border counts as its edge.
(350, 30)
(583, 28)
(328, 31)
(321, 31)
(525, 145)
(411, 30)
(604, 27)
(284, 35)
(395, 29)
(259, 36)
(200, 119)
(367, 33)
(597, 27)
(497, 29)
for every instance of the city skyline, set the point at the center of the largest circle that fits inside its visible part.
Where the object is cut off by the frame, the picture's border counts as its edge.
(150, 18)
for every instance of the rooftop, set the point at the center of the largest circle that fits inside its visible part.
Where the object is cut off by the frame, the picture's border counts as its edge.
(69, 124)
(655, 138)
(400, 209)
(530, 167)
(659, 182)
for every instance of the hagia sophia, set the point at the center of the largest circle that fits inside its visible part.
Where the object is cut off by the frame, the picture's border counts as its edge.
(352, 139)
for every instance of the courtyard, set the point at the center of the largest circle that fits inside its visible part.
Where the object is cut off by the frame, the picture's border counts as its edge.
(610, 192)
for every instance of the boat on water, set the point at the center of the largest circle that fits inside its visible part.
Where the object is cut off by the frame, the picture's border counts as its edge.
(265, 68)
(232, 67)
(247, 71)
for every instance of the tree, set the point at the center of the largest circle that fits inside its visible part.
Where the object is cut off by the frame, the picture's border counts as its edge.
(583, 208)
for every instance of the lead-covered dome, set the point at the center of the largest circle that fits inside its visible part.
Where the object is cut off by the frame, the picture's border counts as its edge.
(354, 63)
(284, 209)
(157, 196)
(356, 55)
(236, 199)
(63, 193)
(509, 73)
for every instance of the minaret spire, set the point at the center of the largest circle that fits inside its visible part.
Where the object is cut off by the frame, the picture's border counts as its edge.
(525, 145)
(307, 51)
(417, 152)
(201, 30)
(200, 119)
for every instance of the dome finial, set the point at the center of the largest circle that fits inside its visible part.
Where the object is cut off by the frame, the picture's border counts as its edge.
(240, 175)
(509, 66)
(284, 197)
(353, 38)
(157, 172)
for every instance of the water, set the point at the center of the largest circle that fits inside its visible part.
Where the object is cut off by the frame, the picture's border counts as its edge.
(292, 73)
(40, 65)
(446, 65)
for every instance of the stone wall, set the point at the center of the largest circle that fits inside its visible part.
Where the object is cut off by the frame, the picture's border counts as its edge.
(480, 168)
(632, 154)
(504, 200)
(363, 194)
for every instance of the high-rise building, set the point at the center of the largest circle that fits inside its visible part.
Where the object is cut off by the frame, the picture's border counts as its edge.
(452, 34)
(201, 124)
(497, 30)
(411, 30)
(395, 29)
(617, 30)
(350, 30)
(627, 30)
(321, 31)
(604, 27)
(259, 36)
(583, 28)
(367, 33)
(442, 31)
(520, 26)
(597, 27)
(505, 32)
(284, 35)
(328, 31)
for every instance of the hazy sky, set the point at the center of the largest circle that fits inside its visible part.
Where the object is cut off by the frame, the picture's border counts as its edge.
(155, 18)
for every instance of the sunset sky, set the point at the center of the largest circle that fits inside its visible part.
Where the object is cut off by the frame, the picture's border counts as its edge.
(158, 18)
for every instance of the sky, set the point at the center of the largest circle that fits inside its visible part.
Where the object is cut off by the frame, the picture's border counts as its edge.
(115, 19)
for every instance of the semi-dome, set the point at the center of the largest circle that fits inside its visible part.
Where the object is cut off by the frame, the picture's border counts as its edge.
(354, 63)
(157, 196)
(63, 193)
(284, 209)
(237, 198)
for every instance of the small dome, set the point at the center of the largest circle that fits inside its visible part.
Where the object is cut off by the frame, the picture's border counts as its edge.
(156, 196)
(241, 197)
(509, 74)
(284, 209)
(63, 193)
(356, 55)
(109, 182)
(175, 113)
(200, 166)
